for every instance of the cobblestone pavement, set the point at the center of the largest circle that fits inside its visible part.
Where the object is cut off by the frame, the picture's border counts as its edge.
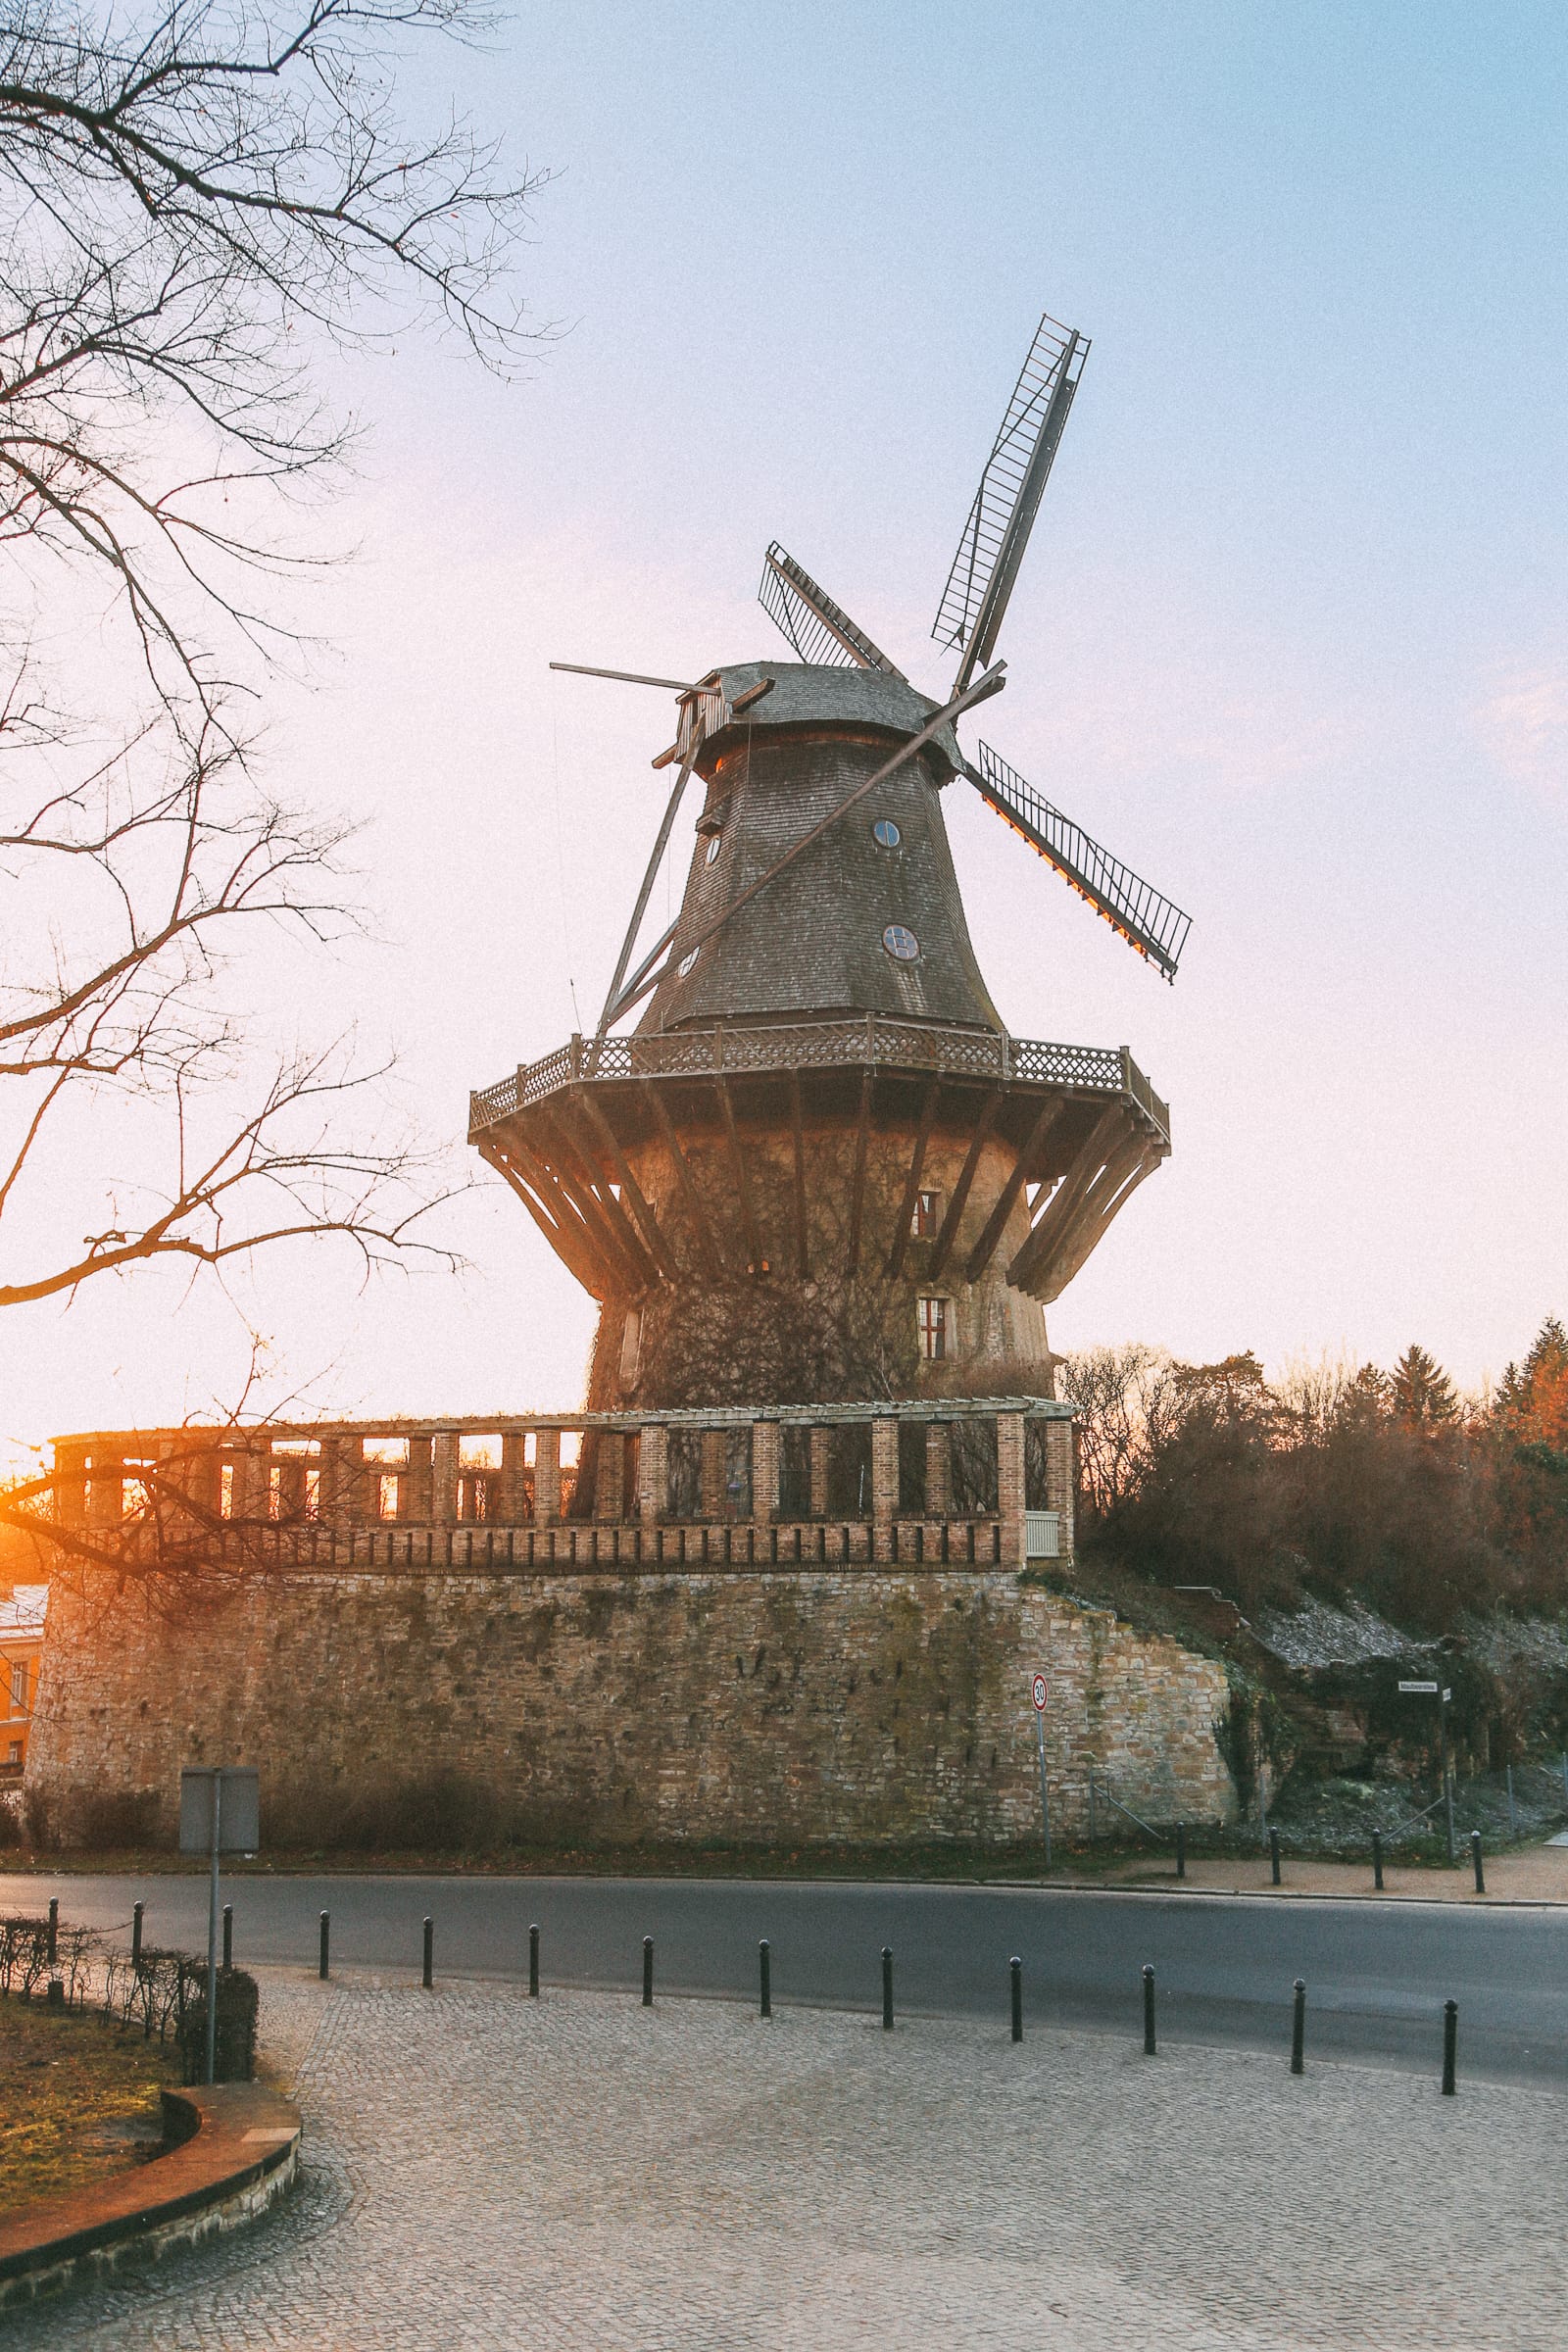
(487, 2171)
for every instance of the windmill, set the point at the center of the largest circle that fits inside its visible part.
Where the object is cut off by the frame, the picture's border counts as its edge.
(819, 1167)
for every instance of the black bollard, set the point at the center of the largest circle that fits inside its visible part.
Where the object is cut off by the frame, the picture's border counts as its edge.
(533, 1964)
(1450, 2045)
(135, 1935)
(764, 1961)
(1474, 1856)
(1148, 2011)
(1299, 2029)
(429, 1954)
(1377, 1860)
(325, 1969)
(1015, 1972)
(887, 1988)
(648, 1972)
(54, 1927)
(229, 1934)
(1181, 1849)
(1274, 1854)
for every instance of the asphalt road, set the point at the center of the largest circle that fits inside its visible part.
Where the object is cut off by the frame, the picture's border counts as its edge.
(1377, 1973)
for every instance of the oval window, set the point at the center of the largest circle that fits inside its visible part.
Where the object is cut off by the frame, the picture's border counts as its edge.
(886, 832)
(901, 943)
(685, 964)
(713, 848)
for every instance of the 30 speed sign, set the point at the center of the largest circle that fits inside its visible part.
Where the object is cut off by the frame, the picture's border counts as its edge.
(1037, 1691)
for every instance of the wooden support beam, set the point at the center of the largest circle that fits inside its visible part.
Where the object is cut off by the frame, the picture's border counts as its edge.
(1046, 1236)
(647, 1223)
(960, 1190)
(801, 1254)
(912, 1189)
(1050, 1115)
(626, 1255)
(743, 1182)
(570, 1116)
(553, 1214)
(862, 1139)
(1103, 1202)
(701, 1223)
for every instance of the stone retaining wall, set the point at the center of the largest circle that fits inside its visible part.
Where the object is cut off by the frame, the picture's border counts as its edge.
(810, 1707)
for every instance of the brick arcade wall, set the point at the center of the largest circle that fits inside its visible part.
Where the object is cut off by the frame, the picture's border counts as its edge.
(811, 1706)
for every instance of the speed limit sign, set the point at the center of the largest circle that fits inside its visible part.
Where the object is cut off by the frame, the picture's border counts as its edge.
(1037, 1691)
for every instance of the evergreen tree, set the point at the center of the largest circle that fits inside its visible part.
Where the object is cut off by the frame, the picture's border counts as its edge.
(1421, 1392)
(1534, 1396)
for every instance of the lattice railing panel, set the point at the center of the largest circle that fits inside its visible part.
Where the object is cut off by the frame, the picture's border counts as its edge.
(874, 1042)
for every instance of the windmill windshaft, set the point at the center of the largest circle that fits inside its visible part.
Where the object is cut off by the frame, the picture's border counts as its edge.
(819, 631)
(1144, 916)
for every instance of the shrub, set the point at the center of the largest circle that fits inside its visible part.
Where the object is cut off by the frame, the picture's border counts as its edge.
(234, 2048)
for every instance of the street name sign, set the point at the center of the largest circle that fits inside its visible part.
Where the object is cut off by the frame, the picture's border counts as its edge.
(239, 1826)
(1421, 1690)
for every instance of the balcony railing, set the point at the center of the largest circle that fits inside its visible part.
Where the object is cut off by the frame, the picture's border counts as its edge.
(876, 1042)
(923, 1482)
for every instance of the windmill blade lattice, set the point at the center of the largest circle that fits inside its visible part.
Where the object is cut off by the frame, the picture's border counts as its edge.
(819, 631)
(1002, 515)
(1144, 917)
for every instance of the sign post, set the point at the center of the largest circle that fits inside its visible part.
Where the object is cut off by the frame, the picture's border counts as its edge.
(1037, 1693)
(219, 1813)
(1443, 1697)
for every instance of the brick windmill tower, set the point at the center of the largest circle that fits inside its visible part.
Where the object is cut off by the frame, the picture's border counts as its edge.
(819, 1167)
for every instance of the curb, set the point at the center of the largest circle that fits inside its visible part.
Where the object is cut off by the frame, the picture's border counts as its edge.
(234, 2149)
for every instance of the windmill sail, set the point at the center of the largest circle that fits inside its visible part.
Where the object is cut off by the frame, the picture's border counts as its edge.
(1145, 918)
(814, 624)
(1002, 515)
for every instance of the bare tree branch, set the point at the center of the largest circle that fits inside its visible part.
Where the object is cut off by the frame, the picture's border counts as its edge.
(195, 198)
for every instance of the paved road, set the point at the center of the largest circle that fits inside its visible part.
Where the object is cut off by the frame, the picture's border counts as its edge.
(1377, 1973)
(482, 2172)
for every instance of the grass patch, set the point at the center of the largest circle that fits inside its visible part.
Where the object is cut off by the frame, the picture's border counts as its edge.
(79, 2100)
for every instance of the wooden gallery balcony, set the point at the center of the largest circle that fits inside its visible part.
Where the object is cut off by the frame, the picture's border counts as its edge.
(1085, 1123)
(941, 1482)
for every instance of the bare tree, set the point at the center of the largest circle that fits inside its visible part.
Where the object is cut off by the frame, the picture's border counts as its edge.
(196, 201)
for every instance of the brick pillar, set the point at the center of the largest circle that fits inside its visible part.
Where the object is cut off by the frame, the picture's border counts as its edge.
(652, 1478)
(339, 1504)
(547, 1478)
(250, 1481)
(513, 1508)
(821, 1439)
(104, 1498)
(416, 1496)
(609, 1474)
(938, 1471)
(1061, 1484)
(444, 1477)
(765, 1447)
(1010, 1488)
(883, 1483)
(713, 1496)
(71, 1483)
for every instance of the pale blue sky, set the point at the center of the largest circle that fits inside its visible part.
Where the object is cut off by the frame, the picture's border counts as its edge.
(1293, 637)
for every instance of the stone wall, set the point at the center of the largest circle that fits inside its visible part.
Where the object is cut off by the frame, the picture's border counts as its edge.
(808, 1707)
